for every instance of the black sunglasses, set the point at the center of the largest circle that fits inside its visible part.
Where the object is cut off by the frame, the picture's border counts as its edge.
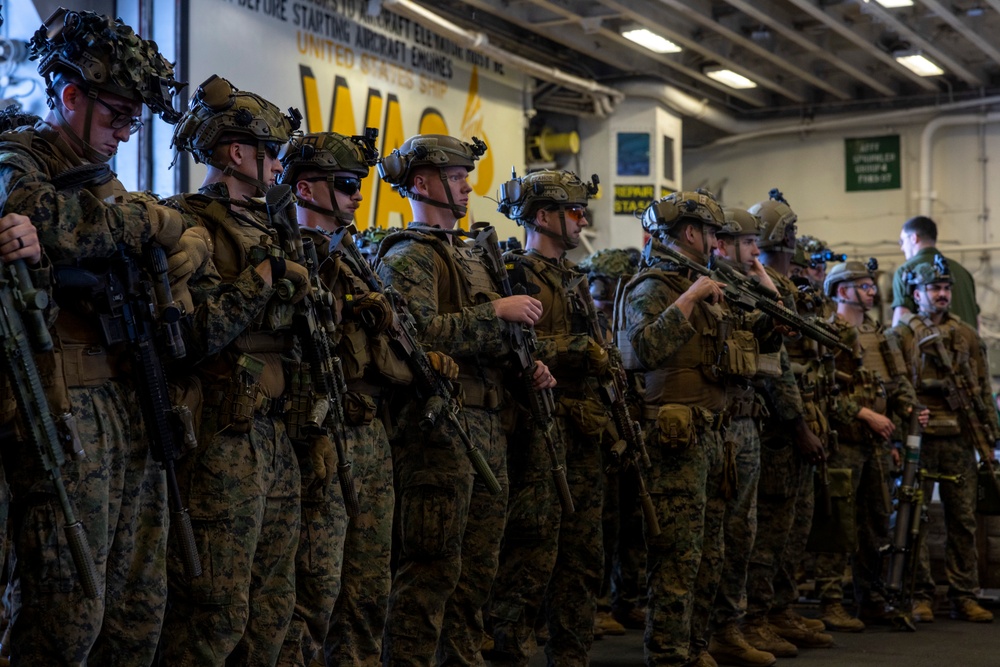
(119, 119)
(346, 184)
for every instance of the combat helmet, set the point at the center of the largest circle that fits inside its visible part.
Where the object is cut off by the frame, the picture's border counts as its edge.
(738, 222)
(926, 273)
(522, 197)
(102, 54)
(818, 252)
(219, 113)
(327, 153)
(776, 217)
(846, 272)
(430, 150)
(663, 216)
(605, 269)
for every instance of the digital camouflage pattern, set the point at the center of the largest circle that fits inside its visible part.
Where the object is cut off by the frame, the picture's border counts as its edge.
(242, 489)
(685, 562)
(869, 461)
(342, 573)
(551, 562)
(450, 526)
(118, 492)
(945, 450)
(119, 495)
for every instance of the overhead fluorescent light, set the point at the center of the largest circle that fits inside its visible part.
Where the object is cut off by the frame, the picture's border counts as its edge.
(651, 41)
(729, 78)
(917, 63)
(894, 4)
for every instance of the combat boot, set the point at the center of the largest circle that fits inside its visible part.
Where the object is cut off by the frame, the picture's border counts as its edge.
(704, 660)
(923, 611)
(793, 629)
(728, 647)
(761, 636)
(967, 609)
(789, 615)
(610, 626)
(835, 617)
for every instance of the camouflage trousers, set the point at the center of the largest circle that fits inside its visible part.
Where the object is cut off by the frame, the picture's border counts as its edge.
(684, 564)
(783, 520)
(342, 566)
(243, 494)
(550, 561)
(119, 495)
(951, 456)
(450, 528)
(869, 464)
(740, 527)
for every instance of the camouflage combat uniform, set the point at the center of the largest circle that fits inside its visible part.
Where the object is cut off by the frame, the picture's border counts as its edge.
(685, 402)
(878, 380)
(551, 562)
(784, 497)
(342, 573)
(242, 482)
(118, 490)
(944, 449)
(450, 526)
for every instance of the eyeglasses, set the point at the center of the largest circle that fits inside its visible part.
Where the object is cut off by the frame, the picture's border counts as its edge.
(119, 119)
(867, 288)
(273, 149)
(574, 213)
(349, 185)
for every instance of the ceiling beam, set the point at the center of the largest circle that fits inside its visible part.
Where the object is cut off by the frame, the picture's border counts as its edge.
(847, 32)
(768, 16)
(963, 29)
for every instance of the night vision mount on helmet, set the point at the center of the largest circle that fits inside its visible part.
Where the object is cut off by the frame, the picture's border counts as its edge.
(522, 197)
(220, 113)
(776, 216)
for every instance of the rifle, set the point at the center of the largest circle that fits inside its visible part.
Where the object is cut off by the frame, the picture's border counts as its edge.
(524, 342)
(905, 547)
(611, 388)
(973, 415)
(127, 311)
(18, 298)
(315, 326)
(402, 332)
(749, 295)
(829, 390)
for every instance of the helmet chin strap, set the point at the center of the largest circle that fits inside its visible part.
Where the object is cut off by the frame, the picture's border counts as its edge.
(82, 144)
(859, 304)
(259, 185)
(562, 236)
(341, 217)
(458, 211)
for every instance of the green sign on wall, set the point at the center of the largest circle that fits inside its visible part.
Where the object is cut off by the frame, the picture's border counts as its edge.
(872, 163)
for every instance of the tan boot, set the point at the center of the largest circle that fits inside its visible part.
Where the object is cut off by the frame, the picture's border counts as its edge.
(788, 615)
(610, 626)
(704, 660)
(792, 627)
(967, 609)
(835, 617)
(759, 634)
(923, 611)
(728, 647)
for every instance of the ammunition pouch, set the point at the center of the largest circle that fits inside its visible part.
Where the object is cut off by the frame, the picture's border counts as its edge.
(353, 350)
(588, 416)
(943, 425)
(359, 409)
(675, 425)
(240, 398)
(838, 532)
(477, 393)
(769, 365)
(740, 354)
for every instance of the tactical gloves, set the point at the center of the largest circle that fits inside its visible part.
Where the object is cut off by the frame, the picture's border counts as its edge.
(188, 259)
(373, 310)
(444, 365)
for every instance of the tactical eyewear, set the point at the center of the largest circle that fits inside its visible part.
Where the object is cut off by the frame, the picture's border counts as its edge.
(867, 288)
(273, 149)
(119, 119)
(345, 184)
(574, 213)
